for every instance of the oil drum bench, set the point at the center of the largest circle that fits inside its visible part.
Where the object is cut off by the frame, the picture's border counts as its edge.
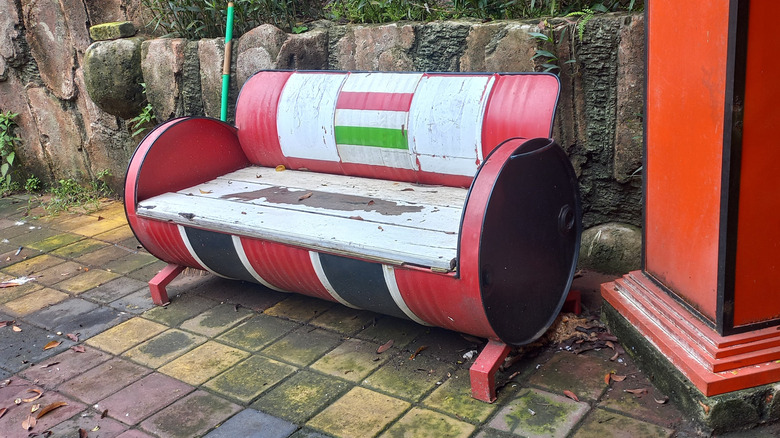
(429, 196)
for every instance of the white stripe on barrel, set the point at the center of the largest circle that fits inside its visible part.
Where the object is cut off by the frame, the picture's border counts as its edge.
(317, 265)
(186, 239)
(392, 286)
(248, 266)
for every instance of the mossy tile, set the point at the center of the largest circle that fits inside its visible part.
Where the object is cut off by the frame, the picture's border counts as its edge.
(103, 255)
(33, 265)
(34, 301)
(13, 255)
(536, 413)
(86, 281)
(11, 293)
(345, 320)
(353, 360)
(583, 374)
(257, 332)
(409, 379)
(609, 424)
(216, 320)
(359, 413)
(192, 416)
(299, 308)
(204, 362)
(453, 397)
(163, 348)
(423, 423)
(116, 235)
(400, 331)
(79, 248)
(36, 234)
(147, 272)
(179, 310)
(130, 263)
(303, 346)
(300, 397)
(126, 335)
(69, 222)
(95, 227)
(115, 289)
(58, 273)
(55, 242)
(248, 379)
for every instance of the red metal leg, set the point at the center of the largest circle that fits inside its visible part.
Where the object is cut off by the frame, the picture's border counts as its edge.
(573, 303)
(483, 372)
(162, 279)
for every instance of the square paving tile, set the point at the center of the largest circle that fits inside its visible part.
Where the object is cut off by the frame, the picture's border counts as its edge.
(116, 235)
(387, 328)
(179, 310)
(19, 350)
(69, 222)
(163, 348)
(34, 301)
(93, 322)
(91, 422)
(136, 303)
(248, 379)
(344, 320)
(11, 293)
(216, 320)
(534, 414)
(605, 423)
(423, 423)
(359, 413)
(54, 242)
(61, 313)
(641, 406)
(134, 433)
(144, 398)
(32, 266)
(95, 227)
(301, 396)
(64, 366)
(103, 255)
(250, 423)
(303, 346)
(126, 335)
(130, 263)
(257, 332)
(58, 273)
(85, 281)
(148, 272)
(103, 380)
(191, 416)
(409, 379)
(35, 234)
(114, 289)
(10, 423)
(299, 308)
(79, 248)
(453, 397)
(582, 374)
(14, 255)
(353, 360)
(203, 363)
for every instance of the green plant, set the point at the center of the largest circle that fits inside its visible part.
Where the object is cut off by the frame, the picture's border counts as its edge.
(145, 119)
(33, 184)
(549, 59)
(68, 193)
(8, 142)
(382, 11)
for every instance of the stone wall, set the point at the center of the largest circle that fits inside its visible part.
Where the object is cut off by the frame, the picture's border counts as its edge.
(74, 99)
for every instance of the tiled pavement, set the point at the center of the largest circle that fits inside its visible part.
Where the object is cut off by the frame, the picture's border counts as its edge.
(229, 359)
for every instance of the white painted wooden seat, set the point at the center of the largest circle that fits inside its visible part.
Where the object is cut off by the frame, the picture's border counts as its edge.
(389, 222)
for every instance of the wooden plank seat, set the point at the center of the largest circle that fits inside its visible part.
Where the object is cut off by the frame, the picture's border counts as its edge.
(436, 197)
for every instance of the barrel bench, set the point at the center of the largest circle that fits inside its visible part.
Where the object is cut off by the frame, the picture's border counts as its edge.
(436, 197)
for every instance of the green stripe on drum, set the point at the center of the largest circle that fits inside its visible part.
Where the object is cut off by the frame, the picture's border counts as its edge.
(374, 137)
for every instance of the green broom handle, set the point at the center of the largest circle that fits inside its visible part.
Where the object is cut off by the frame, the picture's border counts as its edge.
(226, 65)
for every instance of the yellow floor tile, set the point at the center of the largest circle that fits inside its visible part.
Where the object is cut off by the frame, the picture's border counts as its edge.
(203, 363)
(126, 335)
(34, 301)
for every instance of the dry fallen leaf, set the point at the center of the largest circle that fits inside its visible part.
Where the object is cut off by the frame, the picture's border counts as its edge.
(617, 378)
(408, 189)
(384, 347)
(205, 192)
(306, 196)
(83, 433)
(637, 391)
(610, 344)
(73, 337)
(3, 411)
(357, 218)
(4, 383)
(104, 414)
(371, 202)
(38, 394)
(52, 344)
(571, 395)
(78, 349)
(419, 350)
(705, 407)
(5, 323)
(16, 328)
(29, 422)
(49, 365)
(614, 356)
(607, 378)
(50, 408)
(280, 168)
(662, 400)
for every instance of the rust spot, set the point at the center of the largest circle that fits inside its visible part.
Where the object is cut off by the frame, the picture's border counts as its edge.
(326, 200)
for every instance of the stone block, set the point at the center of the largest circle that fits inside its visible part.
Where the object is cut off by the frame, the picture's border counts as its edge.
(611, 248)
(304, 51)
(51, 44)
(113, 77)
(512, 50)
(258, 49)
(384, 47)
(112, 31)
(211, 54)
(162, 63)
(630, 100)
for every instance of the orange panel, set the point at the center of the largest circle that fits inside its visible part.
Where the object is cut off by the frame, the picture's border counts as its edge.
(758, 240)
(685, 103)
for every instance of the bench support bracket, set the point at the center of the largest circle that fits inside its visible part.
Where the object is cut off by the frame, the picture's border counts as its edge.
(483, 372)
(160, 281)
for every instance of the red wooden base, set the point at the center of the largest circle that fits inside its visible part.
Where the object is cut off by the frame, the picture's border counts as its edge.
(160, 281)
(483, 372)
(715, 364)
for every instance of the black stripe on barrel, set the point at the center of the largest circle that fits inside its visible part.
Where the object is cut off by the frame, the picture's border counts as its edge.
(217, 252)
(360, 283)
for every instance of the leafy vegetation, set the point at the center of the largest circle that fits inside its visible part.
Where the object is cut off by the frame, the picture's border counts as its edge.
(196, 19)
(68, 193)
(8, 142)
(145, 119)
